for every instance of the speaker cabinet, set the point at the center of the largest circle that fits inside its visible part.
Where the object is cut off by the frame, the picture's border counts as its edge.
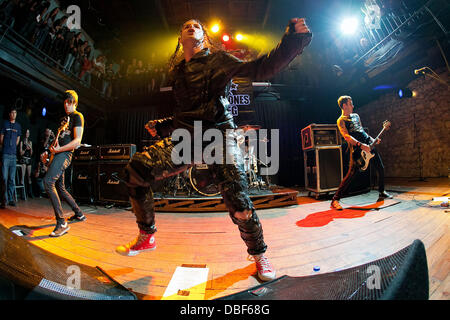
(84, 181)
(28, 272)
(323, 169)
(110, 189)
(400, 276)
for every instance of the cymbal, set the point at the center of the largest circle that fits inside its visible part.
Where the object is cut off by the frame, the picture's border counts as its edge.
(247, 127)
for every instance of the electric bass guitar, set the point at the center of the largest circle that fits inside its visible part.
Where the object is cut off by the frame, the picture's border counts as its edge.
(364, 159)
(47, 156)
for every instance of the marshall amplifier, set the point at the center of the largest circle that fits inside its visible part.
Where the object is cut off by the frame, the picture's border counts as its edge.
(86, 154)
(84, 181)
(110, 188)
(117, 151)
(319, 135)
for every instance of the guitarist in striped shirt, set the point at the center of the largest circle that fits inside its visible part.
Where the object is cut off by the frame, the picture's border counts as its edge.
(351, 129)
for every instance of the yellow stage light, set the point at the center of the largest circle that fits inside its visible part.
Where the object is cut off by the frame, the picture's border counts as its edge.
(239, 37)
(215, 28)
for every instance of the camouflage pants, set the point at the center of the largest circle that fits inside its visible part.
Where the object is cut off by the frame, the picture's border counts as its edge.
(156, 163)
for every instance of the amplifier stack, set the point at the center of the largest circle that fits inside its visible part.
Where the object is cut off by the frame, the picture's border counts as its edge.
(84, 177)
(322, 155)
(326, 159)
(96, 170)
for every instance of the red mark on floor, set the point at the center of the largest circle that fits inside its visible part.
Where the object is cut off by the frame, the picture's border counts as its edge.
(320, 219)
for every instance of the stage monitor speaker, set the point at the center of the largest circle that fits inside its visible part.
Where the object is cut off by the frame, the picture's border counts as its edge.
(323, 169)
(28, 272)
(361, 182)
(401, 276)
(110, 189)
(84, 181)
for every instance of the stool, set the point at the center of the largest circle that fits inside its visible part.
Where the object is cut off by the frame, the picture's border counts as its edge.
(20, 177)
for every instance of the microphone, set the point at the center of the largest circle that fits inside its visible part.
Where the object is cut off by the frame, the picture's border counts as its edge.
(419, 70)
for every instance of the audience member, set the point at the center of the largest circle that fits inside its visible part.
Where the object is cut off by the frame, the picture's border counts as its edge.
(9, 139)
(26, 152)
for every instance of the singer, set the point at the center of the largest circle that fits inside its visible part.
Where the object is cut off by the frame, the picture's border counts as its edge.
(200, 74)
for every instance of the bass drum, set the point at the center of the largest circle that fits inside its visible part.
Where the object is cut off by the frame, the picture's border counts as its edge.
(202, 181)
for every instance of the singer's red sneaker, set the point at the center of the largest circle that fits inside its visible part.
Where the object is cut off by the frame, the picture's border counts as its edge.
(266, 271)
(143, 242)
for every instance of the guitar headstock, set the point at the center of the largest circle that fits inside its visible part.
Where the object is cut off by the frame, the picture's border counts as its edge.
(386, 125)
(64, 124)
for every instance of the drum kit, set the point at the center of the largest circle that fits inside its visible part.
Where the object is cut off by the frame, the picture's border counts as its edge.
(197, 180)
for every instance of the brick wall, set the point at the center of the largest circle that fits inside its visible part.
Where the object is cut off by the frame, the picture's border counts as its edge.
(417, 145)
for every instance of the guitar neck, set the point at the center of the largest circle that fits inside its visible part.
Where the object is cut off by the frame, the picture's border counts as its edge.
(55, 142)
(379, 135)
(61, 129)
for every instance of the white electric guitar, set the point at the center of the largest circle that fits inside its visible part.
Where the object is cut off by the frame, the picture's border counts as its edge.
(364, 160)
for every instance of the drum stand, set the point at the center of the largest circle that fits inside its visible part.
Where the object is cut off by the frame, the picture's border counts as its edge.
(178, 184)
(264, 180)
(253, 180)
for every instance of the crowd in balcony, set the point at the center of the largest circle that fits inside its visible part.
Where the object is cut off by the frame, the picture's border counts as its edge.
(46, 28)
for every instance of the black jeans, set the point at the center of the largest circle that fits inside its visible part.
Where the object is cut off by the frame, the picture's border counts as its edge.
(156, 164)
(2, 189)
(353, 170)
(54, 185)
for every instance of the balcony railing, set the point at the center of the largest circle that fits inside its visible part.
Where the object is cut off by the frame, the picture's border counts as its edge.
(392, 25)
(7, 33)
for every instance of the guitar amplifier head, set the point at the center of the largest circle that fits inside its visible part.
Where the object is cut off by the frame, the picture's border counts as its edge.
(317, 135)
(117, 151)
(86, 154)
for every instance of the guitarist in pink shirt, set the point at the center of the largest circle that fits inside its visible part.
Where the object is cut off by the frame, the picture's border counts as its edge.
(351, 129)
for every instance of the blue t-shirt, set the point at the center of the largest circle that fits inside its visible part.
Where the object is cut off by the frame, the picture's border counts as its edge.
(10, 132)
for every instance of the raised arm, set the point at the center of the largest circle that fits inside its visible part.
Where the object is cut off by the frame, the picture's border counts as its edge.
(297, 36)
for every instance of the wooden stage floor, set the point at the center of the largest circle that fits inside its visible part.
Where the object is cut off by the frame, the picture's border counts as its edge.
(299, 237)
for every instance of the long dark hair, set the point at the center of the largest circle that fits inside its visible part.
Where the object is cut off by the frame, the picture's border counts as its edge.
(177, 56)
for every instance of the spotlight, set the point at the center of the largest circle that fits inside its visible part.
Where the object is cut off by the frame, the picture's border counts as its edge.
(215, 28)
(239, 37)
(406, 93)
(44, 111)
(226, 38)
(349, 26)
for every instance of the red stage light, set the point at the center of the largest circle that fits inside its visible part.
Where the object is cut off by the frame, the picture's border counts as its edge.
(226, 38)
